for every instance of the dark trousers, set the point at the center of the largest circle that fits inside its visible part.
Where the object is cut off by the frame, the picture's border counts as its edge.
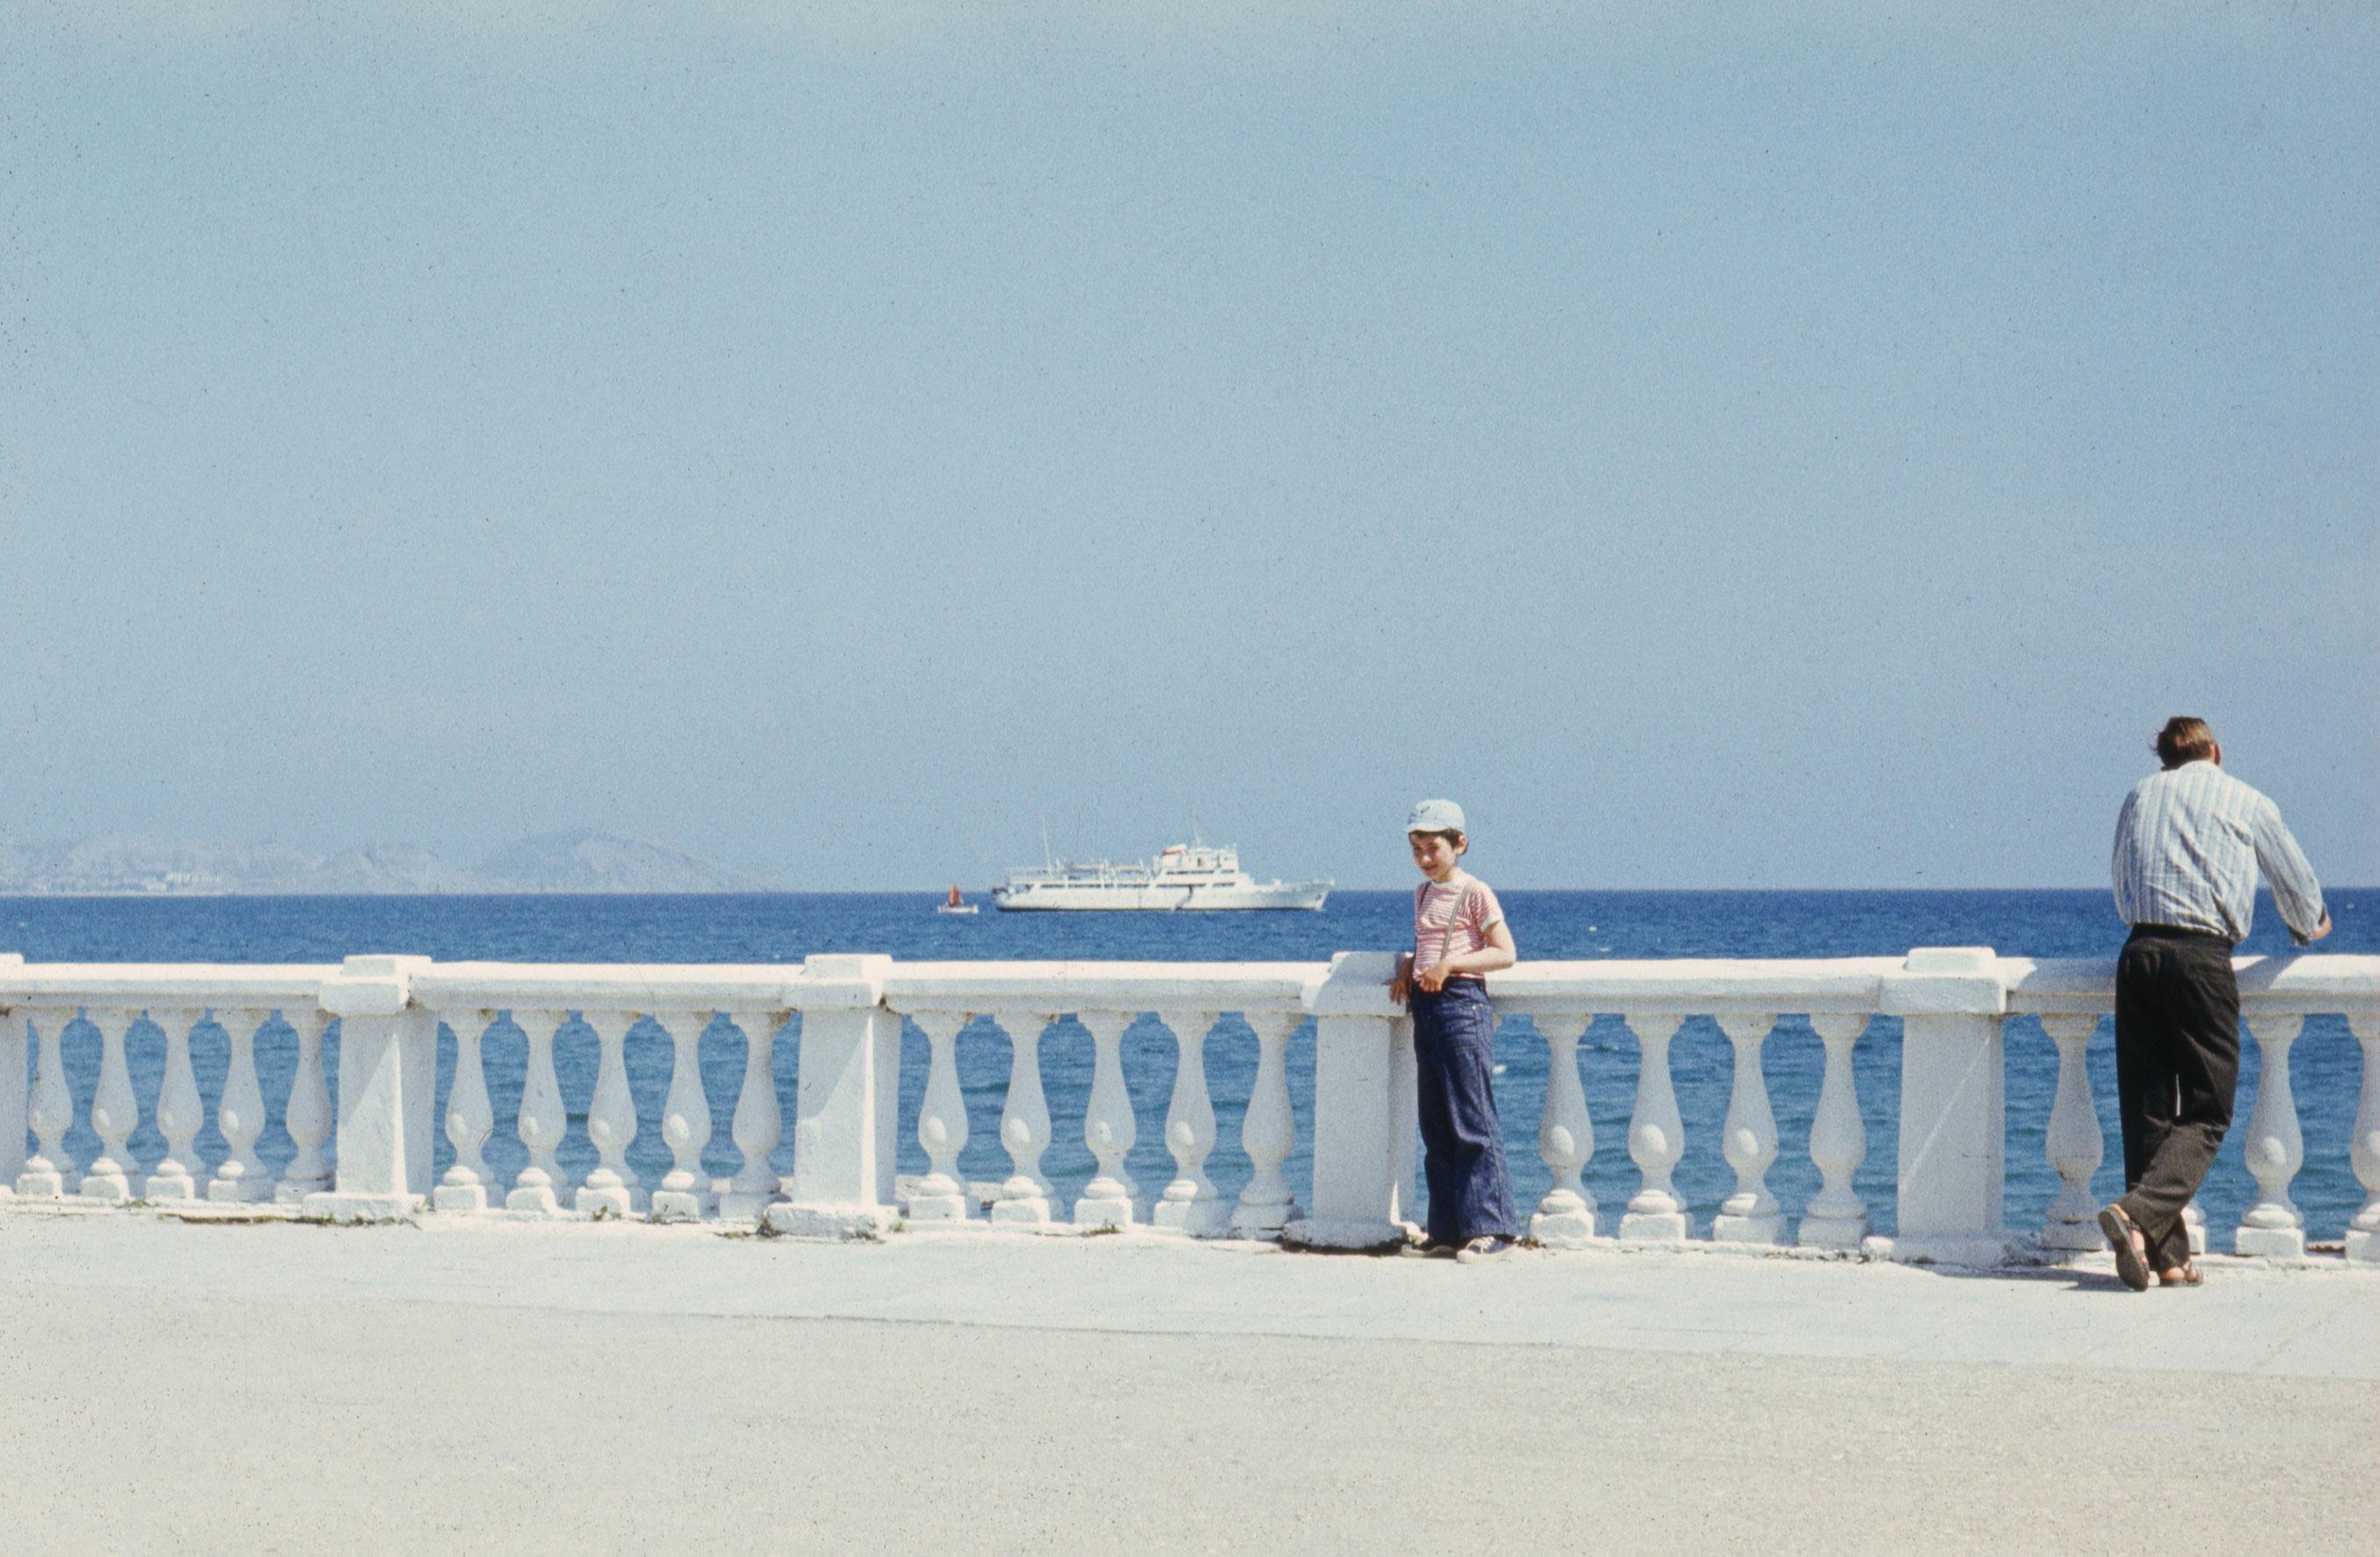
(1461, 1140)
(2177, 1070)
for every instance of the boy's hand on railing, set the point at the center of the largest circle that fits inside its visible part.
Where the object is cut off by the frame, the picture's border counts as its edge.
(1400, 981)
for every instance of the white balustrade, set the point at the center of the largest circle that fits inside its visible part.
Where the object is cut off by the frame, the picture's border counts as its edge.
(1189, 1204)
(2274, 1149)
(2193, 1218)
(685, 1194)
(942, 1193)
(470, 1118)
(1110, 1199)
(610, 1188)
(308, 1115)
(2364, 1233)
(759, 1121)
(1565, 1217)
(2074, 1144)
(1268, 1132)
(1748, 1140)
(49, 1171)
(1951, 1004)
(1027, 1197)
(542, 1120)
(1837, 1218)
(113, 1115)
(1657, 1137)
(241, 1178)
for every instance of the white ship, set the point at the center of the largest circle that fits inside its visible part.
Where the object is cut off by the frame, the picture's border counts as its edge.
(1187, 876)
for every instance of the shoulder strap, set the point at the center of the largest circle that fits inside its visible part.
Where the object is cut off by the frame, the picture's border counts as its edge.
(1453, 917)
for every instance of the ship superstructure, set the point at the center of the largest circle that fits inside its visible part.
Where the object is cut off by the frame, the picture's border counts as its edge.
(1184, 877)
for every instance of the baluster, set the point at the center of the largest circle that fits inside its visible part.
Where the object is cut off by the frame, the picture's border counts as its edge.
(2074, 1146)
(113, 1112)
(1566, 1216)
(2274, 1149)
(1268, 1132)
(241, 1178)
(542, 1120)
(759, 1120)
(941, 1195)
(470, 1119)
(1751, 1215)
(1656, 1137)
(1838, 1217)
(1024, 1125)
(1189, 1203)
(610, 1188)
(685, 1194)
(2194, 1217)
(52, 1113)
(308, 1115)
(2364, 1233)
(1108, 1128)
(179, 1112)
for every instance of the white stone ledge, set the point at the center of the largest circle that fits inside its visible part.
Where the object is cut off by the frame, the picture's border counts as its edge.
(2310, 982)
(501, 986)
(66, 984)
(1064, 987)
(1693, 986)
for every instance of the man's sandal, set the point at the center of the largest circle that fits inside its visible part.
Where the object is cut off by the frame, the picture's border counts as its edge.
(2131, 1249)
(2185, 1274)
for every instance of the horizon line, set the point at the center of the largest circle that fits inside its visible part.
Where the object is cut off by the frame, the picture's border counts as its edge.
(937, 892)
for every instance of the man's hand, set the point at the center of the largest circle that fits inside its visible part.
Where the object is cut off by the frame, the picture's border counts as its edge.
(2323, 929)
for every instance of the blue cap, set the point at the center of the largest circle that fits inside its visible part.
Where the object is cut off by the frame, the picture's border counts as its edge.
(1436, 816)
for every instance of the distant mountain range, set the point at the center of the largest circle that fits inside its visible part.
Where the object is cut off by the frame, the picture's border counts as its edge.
(576, 861)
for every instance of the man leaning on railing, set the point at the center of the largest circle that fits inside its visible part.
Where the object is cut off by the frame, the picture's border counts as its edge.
(2189, 843)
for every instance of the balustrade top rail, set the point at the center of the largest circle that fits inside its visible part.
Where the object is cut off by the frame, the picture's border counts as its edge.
(229, 983)
(2323, 983)
(1705, 985)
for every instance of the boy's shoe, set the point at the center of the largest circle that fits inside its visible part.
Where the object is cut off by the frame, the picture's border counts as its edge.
(1485, 1246)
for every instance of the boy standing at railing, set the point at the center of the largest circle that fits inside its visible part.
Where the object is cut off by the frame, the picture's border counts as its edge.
(1459, 934)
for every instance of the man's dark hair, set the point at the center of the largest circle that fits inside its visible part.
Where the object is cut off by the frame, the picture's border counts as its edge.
(2185, 738)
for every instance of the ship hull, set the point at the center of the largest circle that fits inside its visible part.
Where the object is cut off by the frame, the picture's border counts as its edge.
(1159, 899)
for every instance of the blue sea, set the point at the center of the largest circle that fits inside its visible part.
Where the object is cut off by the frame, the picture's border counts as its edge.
(2326, 1063)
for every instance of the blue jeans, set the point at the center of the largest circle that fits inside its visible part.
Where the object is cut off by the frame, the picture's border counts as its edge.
(1461, 1140)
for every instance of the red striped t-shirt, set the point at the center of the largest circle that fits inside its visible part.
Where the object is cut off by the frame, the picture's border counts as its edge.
(1465, 900)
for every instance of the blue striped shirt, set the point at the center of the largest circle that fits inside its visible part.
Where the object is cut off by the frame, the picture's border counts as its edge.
(2188, 844)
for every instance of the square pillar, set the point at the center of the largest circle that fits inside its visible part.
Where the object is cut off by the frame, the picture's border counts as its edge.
(1364, 1118)
(388, 1073)
(847, 1100)
(13, 1083)
(1953, 1153)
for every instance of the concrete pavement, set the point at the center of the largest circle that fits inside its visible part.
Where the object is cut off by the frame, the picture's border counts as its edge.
(495, 1386)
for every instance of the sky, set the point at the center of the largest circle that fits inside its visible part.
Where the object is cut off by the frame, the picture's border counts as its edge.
(1721, 445)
